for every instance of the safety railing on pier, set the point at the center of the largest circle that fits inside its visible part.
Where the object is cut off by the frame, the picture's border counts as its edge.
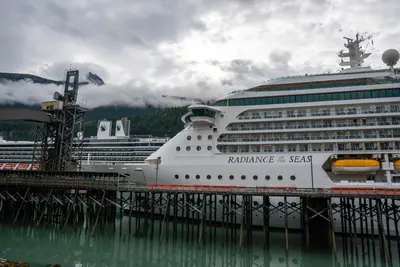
(116, 182)
(62, 180)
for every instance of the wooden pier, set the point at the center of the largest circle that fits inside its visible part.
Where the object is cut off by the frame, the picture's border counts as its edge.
(96, 200)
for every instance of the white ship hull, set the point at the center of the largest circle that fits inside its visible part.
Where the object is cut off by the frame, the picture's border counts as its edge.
(130, 172)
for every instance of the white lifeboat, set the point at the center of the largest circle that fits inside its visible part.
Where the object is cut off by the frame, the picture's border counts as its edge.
(354, 166)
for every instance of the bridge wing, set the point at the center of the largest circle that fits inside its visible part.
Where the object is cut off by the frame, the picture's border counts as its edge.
(21, 114)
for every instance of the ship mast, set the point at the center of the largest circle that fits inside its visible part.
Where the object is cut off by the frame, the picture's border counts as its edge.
(355, 53)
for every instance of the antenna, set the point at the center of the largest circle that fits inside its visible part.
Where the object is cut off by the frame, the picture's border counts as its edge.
(355, 53)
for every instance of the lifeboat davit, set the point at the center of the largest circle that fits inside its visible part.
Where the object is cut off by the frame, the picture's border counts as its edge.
(396, 165)
(354, 166)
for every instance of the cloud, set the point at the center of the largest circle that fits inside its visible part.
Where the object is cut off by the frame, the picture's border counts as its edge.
(147, 48)
(133, 94)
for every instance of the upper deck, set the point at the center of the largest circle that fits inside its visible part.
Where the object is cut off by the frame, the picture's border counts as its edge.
(355, 78)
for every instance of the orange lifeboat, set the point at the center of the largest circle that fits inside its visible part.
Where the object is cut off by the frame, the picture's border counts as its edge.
(354, 166)
(35, 166)
(9, 166)
(23, 166)
(396, 165)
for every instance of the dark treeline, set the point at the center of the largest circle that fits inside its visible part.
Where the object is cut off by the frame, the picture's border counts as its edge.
(147, 120)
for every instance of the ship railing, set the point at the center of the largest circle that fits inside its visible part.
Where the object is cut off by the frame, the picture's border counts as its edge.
(337, 191)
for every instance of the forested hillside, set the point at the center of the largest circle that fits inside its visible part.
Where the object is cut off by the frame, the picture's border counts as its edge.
(154, 121)
(144, 120)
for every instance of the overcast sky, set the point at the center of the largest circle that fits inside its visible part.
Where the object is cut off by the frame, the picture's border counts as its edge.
(194, 48)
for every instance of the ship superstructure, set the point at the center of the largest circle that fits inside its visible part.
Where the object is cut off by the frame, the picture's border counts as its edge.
(312, 131)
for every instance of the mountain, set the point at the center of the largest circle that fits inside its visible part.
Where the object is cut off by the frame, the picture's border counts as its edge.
(147, 120)
(144, 120)
(17, 77)
(93, 78)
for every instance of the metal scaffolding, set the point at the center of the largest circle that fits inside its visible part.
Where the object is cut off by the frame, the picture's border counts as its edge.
(57, 141)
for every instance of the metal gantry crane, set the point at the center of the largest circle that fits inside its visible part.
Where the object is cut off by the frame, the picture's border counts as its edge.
(58, 141)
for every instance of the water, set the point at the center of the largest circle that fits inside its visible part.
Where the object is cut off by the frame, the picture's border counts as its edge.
(40, 246)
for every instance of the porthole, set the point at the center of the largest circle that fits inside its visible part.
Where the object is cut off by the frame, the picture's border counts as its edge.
(197, 177)
(255, 177)
(220, 177)
(231, 177)
(209, 137)
(267, 177)
(188, 137)
(188, 148)
(176, 176)
(243, 177)
(280, 177)
(255, 203)
(198, 148)
(280, 204)
(178, 148)
(187, 176)
(292, 177)
(209, 148)
(293, 204)
(208, 177)
(220, 201)
(199, 137)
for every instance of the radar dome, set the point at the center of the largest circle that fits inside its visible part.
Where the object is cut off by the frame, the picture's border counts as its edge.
(390, 57)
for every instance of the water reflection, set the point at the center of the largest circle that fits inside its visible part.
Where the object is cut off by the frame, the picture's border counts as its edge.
(40, 246)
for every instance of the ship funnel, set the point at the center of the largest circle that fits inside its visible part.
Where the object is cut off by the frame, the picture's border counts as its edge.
(103, 129)
(122, 127)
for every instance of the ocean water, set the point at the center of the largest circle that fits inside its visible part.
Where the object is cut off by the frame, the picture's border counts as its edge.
(40, 246)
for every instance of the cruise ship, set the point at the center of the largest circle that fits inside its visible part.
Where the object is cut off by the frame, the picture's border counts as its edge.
(113, 149)
(313, 131)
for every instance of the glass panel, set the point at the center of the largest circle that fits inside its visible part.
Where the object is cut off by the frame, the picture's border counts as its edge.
(312, 97)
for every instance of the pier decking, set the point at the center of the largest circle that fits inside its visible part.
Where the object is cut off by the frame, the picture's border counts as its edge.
(95, 199)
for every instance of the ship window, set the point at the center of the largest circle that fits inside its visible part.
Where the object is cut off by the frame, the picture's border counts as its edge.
(243, 177)
(178, 148)
(208, 177)
(380, 93)
(255, 203)
(188, 148)
(199, 137)
(209, 148)
(267, 177)
(220, 177)
(280, 177)
(210, 137)
(187, 176)
(231, 177)
(197, 177)
(176, 176)
(198, 148)
(189, 137)
(255, 177)
(292, 177)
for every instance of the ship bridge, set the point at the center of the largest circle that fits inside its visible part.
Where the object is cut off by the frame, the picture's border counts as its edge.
(201, 115)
